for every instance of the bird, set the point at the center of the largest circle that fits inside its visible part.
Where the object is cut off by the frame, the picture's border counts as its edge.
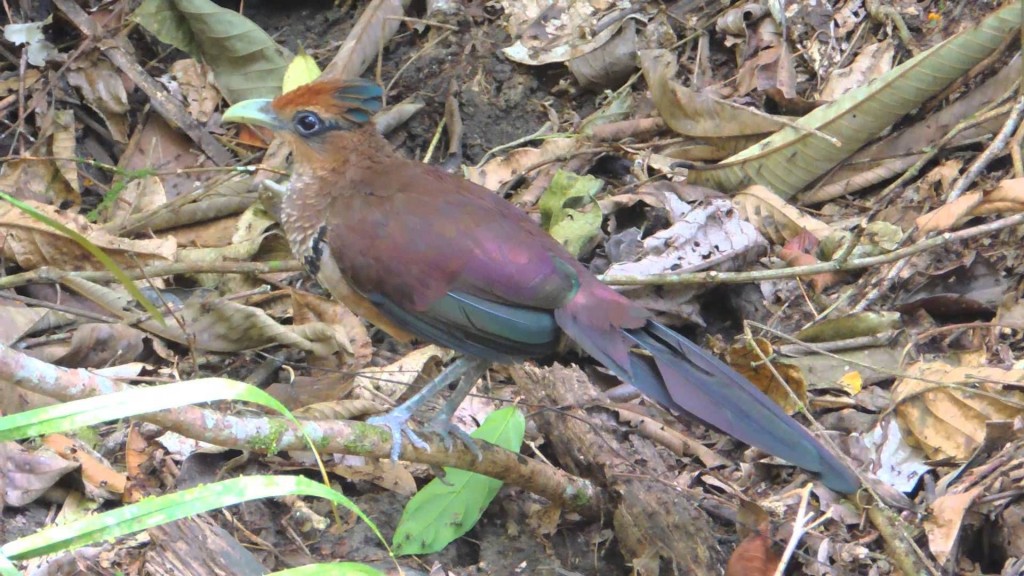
(425, 254)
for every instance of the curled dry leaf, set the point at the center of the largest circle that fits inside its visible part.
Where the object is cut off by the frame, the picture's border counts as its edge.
(943, 524)
(395, 379)
(942, 409)
(1006, 198)
(550, 32)
(694, 114)
(751, 365)
(775, 218)
(25, 475)
(754, 556)
(801, 250)
(32, 244)
(497, 171)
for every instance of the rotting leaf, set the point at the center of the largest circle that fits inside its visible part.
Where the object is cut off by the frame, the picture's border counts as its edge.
(943, 409)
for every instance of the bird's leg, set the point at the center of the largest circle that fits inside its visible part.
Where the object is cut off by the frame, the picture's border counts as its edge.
(397, 419)
(442, 421)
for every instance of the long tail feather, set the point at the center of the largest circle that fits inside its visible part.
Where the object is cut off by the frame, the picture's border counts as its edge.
(685, 379)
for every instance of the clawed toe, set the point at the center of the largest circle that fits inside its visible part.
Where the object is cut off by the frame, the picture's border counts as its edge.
(398, 425)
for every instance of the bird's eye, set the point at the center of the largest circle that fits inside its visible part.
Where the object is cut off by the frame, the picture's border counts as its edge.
(308, 124)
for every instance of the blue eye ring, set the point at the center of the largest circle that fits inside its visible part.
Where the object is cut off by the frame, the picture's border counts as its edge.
(308, 123)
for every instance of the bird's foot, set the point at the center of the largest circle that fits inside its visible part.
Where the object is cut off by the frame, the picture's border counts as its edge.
(398, 423)
(445, 428)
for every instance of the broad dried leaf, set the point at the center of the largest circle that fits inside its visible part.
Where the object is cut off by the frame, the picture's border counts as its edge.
(611, 64)
(395, 379)
(939, 411)
(872, 62)
(247, 62)
(753, 556)
(894, 461)
(793, 157)
(25, 475)
(499, 170)
(1006, 198)
(775, 218)
(99, 345)
(550, 32)
(348, 330)
(32, 244)
(376, 25)
(701, 237)
(943, 524)
(100, 479)
(194, 83)
(102, 87)
(750, 364)
(392, 476)
(19, 320)
(693, 114)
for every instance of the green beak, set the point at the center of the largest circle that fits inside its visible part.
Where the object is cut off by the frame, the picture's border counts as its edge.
(256, 112)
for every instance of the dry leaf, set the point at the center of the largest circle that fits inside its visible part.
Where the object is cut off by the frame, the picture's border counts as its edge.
(750, 364)
(943, 524)
(939, 411)
(1007, 198)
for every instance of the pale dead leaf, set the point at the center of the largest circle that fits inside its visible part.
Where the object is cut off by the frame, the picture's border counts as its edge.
(894, 461)
(775, 218)
(101, 86)
(499, 170)
(549, 32)
(1006, 198)
(750, 364)
(25, 475)
(32, 244)
(389, 475)
(943, 524)
(938, 411)
(873, 61)
(18, 320)
(196, 86)
(395, 379)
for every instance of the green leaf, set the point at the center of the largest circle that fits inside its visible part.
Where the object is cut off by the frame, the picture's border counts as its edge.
(440, 512)
(334, 569)
(156, 511)
(100, 255)
(247, 62)
(89, 411)
(569, 212)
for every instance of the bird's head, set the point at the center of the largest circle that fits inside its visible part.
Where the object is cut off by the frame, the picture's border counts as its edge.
(310, 115)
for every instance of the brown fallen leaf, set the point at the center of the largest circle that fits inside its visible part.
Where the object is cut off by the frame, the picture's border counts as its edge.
(943, 409)
(1006, 198)
(942, 526)
(749, 363)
